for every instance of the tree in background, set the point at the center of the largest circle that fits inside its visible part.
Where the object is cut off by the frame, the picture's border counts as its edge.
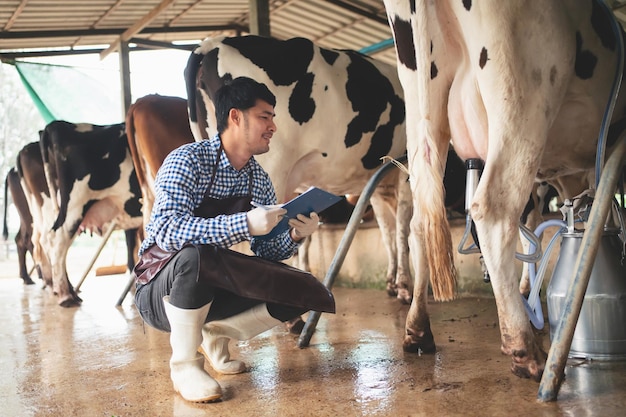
(20, 122)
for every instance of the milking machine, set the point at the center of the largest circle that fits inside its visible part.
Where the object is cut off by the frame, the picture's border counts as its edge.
(600, 333)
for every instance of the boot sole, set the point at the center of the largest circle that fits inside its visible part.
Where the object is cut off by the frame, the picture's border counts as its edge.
(208, 399)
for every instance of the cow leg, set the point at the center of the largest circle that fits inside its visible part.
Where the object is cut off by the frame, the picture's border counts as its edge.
(22, 244)
(404, 281)
(384, 205)
(41, 258)
(61, 285)
(497, 224)
(131, 247)
(418, 337)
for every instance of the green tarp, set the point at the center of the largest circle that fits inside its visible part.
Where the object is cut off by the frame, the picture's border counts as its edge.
(67, 93)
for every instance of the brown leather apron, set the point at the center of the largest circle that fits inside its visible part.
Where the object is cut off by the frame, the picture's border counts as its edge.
(247, 276)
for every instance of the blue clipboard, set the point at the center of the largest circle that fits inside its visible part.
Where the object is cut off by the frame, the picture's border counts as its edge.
(312, 200)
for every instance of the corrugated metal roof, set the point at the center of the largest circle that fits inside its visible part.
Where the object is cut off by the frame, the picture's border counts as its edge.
(92, 24)
(27, 25)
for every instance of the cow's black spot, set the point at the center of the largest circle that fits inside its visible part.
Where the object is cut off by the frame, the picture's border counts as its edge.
(484, 57)
(301, 103)
(284, 62)
(601, 24)
(329, 55)
(132, 206)
(552, 75)
(467, 4)
(403, 36)
(433, 70)
(585, 60)
(412, 5)
(371, 94)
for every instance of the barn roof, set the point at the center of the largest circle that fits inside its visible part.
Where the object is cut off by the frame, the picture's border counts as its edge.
(51, 27)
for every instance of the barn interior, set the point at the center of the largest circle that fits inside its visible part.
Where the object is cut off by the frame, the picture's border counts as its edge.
(111, 364)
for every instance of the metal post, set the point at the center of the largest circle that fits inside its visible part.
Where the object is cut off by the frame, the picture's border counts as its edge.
(557, 357)
(129, 284)
(95, 257)
(344, 245)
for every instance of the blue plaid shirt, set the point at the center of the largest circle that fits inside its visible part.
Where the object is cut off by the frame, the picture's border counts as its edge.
(180, 185)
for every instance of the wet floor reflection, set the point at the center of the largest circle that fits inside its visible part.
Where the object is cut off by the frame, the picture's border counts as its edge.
(99, 360)
(265, 375)
(370, 359)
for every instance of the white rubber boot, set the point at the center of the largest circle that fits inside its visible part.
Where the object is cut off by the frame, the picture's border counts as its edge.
(186, 365)
(243, 326)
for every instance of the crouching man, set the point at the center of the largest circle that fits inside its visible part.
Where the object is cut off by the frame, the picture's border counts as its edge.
(188, 282)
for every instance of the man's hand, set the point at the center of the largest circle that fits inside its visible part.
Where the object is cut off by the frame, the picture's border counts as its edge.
(303, 226)
(262, 220)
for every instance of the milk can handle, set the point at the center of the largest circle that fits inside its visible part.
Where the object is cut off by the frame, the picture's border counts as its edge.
(622, 228)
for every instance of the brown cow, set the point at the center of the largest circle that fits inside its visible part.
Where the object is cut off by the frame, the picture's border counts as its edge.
(155, 126)
(29, 167)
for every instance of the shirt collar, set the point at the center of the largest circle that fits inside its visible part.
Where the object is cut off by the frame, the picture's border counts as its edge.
(224, 162)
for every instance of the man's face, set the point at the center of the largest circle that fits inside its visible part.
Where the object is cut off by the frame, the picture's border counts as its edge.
(258, 127)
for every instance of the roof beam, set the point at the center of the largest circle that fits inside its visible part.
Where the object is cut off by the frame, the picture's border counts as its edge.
(137, 27)
(38, 34)
(11, 56)
(15, 15)
(151, 44)
(359, 11)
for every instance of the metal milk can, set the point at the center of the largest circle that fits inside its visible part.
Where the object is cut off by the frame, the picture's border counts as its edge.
(601, 329)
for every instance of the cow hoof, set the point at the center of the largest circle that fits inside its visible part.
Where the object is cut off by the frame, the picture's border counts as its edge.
(422, 345)
(405, 296)
(28, 281)
(71, 302)
(531, 371)
(295, 326)
(525, 367)
(392, 290)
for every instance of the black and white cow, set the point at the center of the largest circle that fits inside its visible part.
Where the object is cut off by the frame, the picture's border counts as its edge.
(90, 172)
(338, 113)
(520, 85)
(23, 237)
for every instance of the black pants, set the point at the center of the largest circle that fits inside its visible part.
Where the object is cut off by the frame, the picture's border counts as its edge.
(180, 280)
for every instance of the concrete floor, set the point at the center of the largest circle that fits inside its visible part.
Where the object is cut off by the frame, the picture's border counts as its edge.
(100, 360)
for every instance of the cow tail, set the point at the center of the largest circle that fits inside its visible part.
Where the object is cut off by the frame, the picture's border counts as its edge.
(132, 145)
(5, 229)
(434, 229)
(191, 73)
(45, 147)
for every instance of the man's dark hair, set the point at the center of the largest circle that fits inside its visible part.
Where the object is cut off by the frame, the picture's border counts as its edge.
(241, 94)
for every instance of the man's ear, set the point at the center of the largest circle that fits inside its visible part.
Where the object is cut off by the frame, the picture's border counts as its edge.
(234, 115)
